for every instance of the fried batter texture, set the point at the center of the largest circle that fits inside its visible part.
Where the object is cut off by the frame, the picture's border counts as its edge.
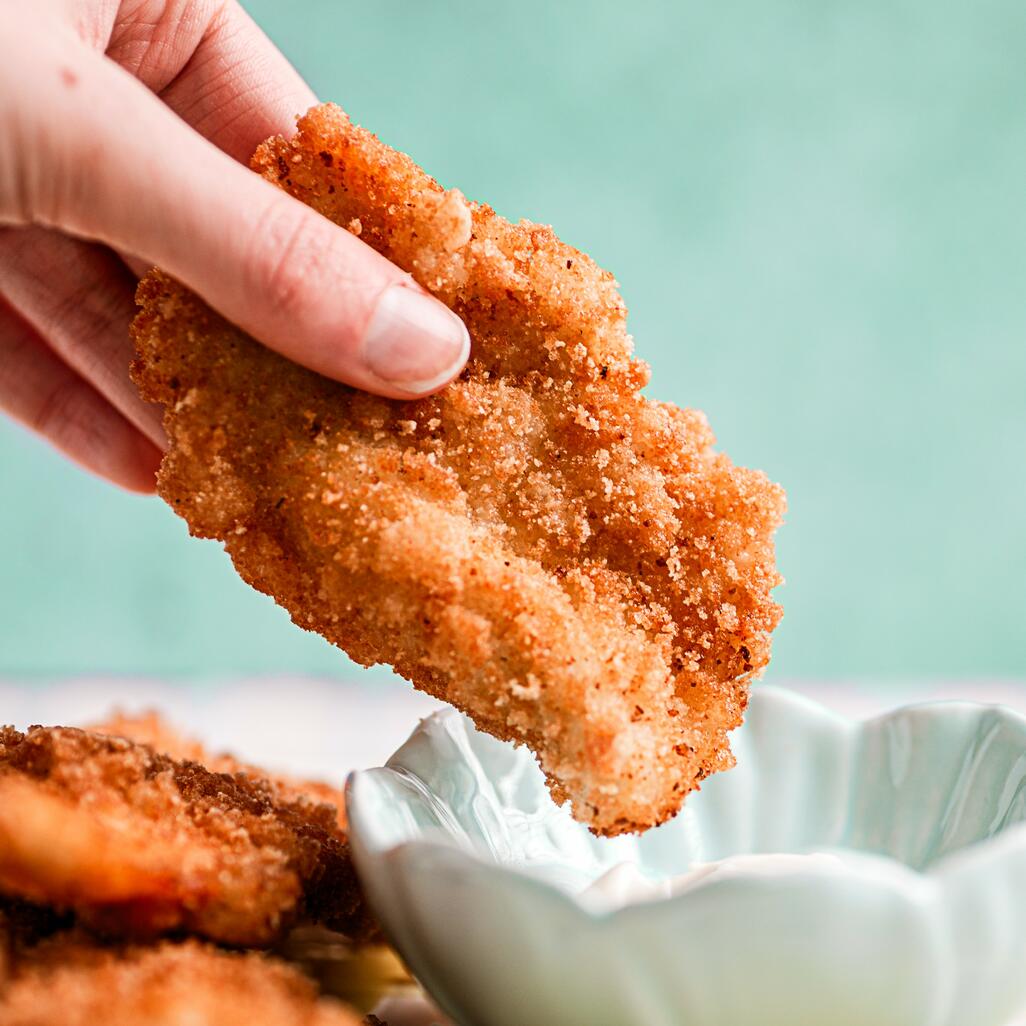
(137, 844)
(150, 728)
(566, 561)
(70, 981)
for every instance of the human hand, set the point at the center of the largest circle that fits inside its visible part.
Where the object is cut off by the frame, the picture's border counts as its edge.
(123, 125)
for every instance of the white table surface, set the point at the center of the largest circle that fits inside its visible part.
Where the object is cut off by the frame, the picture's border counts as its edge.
(328, 727)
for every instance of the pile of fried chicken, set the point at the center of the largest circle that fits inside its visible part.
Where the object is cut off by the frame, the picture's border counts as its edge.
(145, 881)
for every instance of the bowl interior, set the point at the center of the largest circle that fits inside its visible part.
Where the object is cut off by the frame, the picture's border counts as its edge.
(915, 785)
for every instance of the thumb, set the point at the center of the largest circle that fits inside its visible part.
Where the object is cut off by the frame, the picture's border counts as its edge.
(101, 157)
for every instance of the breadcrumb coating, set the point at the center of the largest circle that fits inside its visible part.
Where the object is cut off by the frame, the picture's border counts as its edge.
(70, 981)
(150, 728)
(137, 844)
(563, 559)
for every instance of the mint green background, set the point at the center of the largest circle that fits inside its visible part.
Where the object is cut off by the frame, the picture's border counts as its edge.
(817, 214)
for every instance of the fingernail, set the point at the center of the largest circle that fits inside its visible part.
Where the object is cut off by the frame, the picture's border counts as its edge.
(414, 342)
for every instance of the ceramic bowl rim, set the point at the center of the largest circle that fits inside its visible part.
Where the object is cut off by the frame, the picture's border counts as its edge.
(864, 866)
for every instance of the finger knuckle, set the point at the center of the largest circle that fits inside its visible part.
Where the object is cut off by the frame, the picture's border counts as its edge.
(23, 190)
(62, 414)
(291, 265)
(40, 183)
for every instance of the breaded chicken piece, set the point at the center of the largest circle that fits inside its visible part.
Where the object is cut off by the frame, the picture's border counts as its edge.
(70, 981)
(23, 924)
(150, 728)
(137, 844)
(566, 561)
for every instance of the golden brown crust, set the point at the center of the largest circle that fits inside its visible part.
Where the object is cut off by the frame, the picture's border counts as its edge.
(563, 559)
(138, 844)
(70, 981)
(150, 728)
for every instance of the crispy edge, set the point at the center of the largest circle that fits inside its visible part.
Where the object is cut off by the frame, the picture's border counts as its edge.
(138, 844)
(68, 980)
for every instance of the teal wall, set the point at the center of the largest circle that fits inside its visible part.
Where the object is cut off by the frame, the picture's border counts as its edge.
(816, 211)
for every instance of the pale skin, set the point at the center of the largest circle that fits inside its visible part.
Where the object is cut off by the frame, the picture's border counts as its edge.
(124, 132)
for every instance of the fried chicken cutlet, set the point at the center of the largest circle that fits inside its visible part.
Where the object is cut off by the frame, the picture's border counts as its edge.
(137, 844)
(151, 729)
(70, 981)
(566, 561)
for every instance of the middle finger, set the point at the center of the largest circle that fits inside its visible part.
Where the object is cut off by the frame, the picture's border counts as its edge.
(79, 297)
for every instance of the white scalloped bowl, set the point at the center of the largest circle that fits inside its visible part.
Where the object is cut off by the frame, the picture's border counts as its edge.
(919, 921)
